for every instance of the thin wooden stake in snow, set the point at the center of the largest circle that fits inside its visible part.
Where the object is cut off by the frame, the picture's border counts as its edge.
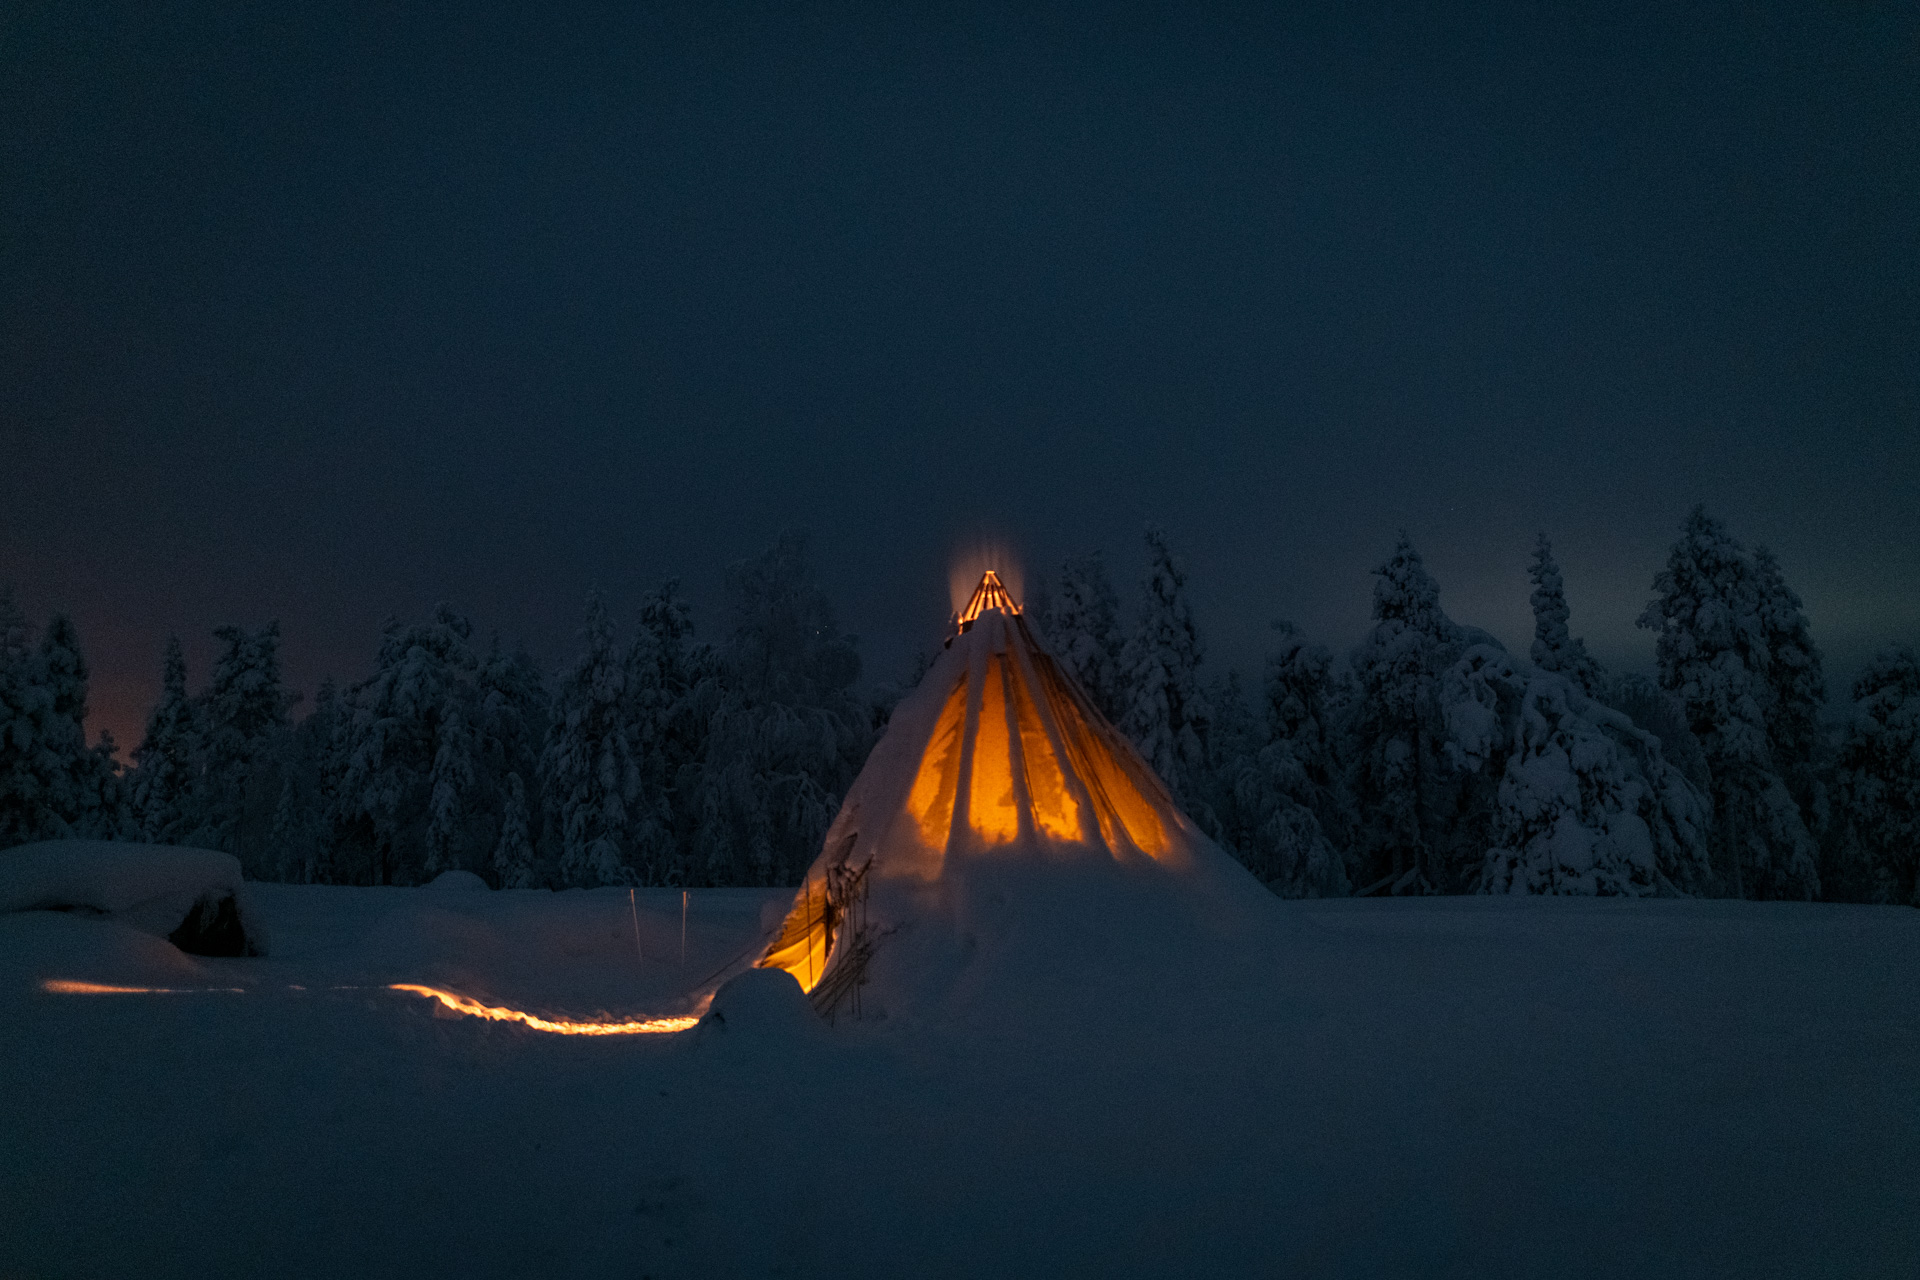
(636, 927)
(683, 928)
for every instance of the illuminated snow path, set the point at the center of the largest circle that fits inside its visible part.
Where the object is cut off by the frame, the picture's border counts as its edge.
(473, 1008)
(451, 999)
(68, 987)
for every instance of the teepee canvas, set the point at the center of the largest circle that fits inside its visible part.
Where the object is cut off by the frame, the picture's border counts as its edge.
(996, 777)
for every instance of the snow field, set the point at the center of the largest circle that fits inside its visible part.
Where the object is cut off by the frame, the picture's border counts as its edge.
(1482, 1087)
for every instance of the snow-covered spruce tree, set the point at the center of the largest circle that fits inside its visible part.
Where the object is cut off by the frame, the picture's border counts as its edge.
(1661, 713)
(1303, 710)
(1083, 630)
(1037, 605)
(1403, 786)
(242, 715)
(513, 855)
(1285, 845)
(16, 633)
(1877, 784)
(318, 762)
(1264, 798)
(590, 772)
(113, 819)
(94, 801)
(512, 719)
(52, 785)
(24, 705)
(1795, 674)
(1677, 777)
(785, 734)
(1234, 738)
(1712, 651)
(449, 792)
(1282, 840)
(166, 763)
(1677, 810)
(1583, 804)
(1554, 647)
(1166, 713)
(391, 740)
(291, 832)
(514, 709)
(664, 667)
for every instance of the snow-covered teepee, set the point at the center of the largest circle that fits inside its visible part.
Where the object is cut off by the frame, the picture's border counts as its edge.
(1001, 825)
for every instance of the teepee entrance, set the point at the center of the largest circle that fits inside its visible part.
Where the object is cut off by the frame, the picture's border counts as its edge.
(998, 756)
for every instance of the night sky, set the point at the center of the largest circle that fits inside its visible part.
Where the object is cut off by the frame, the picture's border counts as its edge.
(324, 314)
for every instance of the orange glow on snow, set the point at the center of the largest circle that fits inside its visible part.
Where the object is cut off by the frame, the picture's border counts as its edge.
(451, 999)
(990, 804)
(69, 987)
(496, 1013)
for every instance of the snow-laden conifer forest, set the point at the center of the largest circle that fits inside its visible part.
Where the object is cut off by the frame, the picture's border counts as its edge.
(1481, 1025)
(1425, 758)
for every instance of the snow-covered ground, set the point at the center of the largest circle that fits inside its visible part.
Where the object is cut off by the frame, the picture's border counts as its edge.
(1455, 1087)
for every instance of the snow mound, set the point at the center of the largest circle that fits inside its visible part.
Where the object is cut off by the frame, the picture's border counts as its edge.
(461, 881)
(192, 897)
(761, 1006)
(37, 946)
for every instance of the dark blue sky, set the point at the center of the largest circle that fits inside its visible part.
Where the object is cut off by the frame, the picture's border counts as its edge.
(327, 315)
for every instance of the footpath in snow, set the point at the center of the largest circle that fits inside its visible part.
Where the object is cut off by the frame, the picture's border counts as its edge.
(1451, 1087)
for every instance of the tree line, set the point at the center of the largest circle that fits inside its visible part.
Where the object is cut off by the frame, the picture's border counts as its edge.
(653, 759)
(1435, 761)
(1430, 760)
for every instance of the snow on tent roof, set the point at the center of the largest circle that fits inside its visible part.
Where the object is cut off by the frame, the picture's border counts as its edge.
(997, 765)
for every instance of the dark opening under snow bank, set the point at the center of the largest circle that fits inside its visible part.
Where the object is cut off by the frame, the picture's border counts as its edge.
(194, 898)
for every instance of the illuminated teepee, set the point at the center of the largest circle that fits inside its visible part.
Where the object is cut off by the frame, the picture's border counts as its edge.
(997, 764)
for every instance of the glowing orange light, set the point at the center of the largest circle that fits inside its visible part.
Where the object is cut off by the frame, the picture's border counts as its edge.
(495, 1013)
(990, 594)
(801, 947)
(931, 800)
(1055, 811)
(1117, 783)
(69, 987)
(990, 803)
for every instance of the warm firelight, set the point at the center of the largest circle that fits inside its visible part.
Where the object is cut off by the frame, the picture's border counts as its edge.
(1022, 755)
(1055, 812)
(69, 987)
(992, 808)
(990, 594)
(1018, 760)
(497, 1013)
(451, 999)
(805, 936)
(931, 800)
